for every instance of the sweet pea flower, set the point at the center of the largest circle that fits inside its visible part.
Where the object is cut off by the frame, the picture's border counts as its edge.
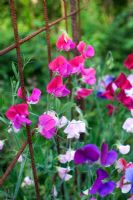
(62, 122)
(82, 93)
(88, 75)
(77, 63)
(86, 154)
(131, 198)
(18, 115)
(124, 185)
(27, 181)
(122, 82)
(128, 62)
(123, 149)
(107, 157)
(56, 87)
(121, 165)
(67, 157)
(87, 52)
(1, 144)
(129, 177)
(90, 153)
(47, 126)
(63, 173)
(61, 66)
(100, 186)
(65, 43)
(74, 128)
(128, 125)
(34, 98)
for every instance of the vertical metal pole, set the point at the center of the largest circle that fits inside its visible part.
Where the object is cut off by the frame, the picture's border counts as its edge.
(20, 70)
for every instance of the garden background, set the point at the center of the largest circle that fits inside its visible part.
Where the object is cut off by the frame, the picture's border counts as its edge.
(105, 24)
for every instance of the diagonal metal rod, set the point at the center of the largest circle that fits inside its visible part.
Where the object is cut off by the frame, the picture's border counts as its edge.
(20, 70)
(32, 35)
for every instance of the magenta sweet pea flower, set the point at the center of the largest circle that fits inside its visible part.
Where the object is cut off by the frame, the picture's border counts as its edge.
(122, 82)
(65, 43)
(18, 115)
(77, 62)
(88, 153)
(61, 66)
(87, 52)
(56, 87)
(34, 98)
(100, 186)
(88, 75)
(81, 46)
(128, 62)
(107, 158)
(83, 93)
(47, 126)
(125, 100)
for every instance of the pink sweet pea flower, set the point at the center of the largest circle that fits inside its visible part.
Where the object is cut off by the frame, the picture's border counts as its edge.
(128, 62)
(67, 157)
(27, 181)
(88, 75)
(81, 46)
(34, 98)
(87, 52)
(65, 43)
(61, 66)
(77, 62)
(18, 114)
(123, 149)
(83, 93)
(63, 173)
(127, 101)
(47, 126)
(56, 87)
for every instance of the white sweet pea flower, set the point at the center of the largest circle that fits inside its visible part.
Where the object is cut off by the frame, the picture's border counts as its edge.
(63, 173)
(62, 122)
(1, 144)
(67, 157)
(27, 181)
(74, 128)
(123, 149)
(128, 125)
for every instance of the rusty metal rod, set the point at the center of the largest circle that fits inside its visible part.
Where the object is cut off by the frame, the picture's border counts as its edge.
(21, 41)
(20, 70)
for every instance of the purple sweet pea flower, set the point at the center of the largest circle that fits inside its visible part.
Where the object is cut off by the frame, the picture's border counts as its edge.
(100, 187)
(88, 153)
(107, 158)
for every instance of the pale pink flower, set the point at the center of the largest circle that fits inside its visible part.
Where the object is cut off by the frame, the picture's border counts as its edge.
(74, 128)
(27, 181)
(123, 149)
(128, 125)
(67, 157)
(1, 144)
(62, 122)
(63, 173)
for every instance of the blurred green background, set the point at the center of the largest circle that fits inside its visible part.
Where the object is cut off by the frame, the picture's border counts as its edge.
(105, 24)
